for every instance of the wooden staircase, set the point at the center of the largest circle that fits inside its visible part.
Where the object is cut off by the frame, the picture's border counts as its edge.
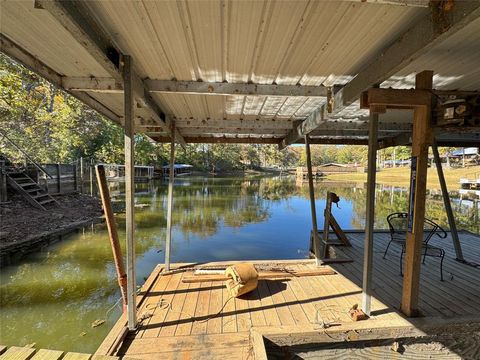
(23, 184)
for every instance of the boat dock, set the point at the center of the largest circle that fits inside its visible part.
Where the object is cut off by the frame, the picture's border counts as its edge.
(199, 320)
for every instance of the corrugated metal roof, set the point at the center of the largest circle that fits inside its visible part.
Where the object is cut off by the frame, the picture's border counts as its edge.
(263, 41)
(37, 31)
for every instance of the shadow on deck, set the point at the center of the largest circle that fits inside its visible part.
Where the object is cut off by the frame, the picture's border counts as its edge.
(200, 320)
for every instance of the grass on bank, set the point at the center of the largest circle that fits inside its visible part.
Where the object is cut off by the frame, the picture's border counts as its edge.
(401, 176)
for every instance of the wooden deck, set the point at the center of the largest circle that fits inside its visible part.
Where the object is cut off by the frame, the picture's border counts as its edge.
(28, 353)
(181, 321)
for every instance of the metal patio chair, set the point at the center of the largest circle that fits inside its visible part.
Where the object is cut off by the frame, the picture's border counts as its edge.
(397, 223)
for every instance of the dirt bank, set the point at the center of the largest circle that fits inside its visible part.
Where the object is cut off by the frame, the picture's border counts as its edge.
(20, 221)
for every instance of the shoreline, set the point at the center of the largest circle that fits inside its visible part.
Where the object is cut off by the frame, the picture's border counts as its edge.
(24, 229)
(401, 176)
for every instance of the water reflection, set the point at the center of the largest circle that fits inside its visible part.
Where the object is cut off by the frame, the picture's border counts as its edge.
(52, 297)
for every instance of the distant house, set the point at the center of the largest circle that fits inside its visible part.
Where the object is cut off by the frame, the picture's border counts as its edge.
(467, 152)
(469, 155)
(179, 170)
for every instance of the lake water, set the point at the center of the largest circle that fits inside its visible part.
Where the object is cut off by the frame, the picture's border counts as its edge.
(51, 298)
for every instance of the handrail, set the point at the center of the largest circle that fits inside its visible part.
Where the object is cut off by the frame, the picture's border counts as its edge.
(37, 165)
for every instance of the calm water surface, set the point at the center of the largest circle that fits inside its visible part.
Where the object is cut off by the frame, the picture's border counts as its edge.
(51, 298)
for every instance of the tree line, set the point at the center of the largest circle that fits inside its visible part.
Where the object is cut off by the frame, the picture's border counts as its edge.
(54, 127)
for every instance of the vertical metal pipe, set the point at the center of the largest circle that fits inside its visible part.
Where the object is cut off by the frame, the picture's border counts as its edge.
(130, 189)
(168, 240)
(316, 238)
(446, 202)
(370, 215)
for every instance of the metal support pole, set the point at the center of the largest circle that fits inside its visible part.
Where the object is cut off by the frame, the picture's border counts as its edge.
(370, 215)
(130, 190)
(316, 238)
(446, 202)
(168, 240)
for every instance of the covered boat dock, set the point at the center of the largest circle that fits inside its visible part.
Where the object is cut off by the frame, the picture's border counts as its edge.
(379, 73)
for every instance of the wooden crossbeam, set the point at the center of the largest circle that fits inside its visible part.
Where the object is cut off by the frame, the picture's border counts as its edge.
(222, 140)
(111, 85)
(223, 88)
(395, 98)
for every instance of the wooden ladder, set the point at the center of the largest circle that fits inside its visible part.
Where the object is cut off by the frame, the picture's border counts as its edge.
(23, 184)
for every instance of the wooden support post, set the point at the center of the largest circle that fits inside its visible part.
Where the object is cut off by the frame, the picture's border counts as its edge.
(327, 213)
(422, 139)
(112, 232)
(168, 240)
(370, 214)
(59, 179)
(316, 238)
(446, 202)
(130, 189)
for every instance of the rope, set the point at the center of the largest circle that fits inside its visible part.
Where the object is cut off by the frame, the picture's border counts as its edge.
(163, 305)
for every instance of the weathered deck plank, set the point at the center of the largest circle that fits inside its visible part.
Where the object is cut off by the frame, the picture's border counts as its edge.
(17, 353)
(189, 328)
(43, 354)
(76, 356)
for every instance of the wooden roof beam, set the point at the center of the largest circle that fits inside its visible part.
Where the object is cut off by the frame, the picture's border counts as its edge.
(410, 45)
(394, 98)
(74, 17)
(223, 88)
(276, 124)
(111, 85)
(233, 131)
(222, 140)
